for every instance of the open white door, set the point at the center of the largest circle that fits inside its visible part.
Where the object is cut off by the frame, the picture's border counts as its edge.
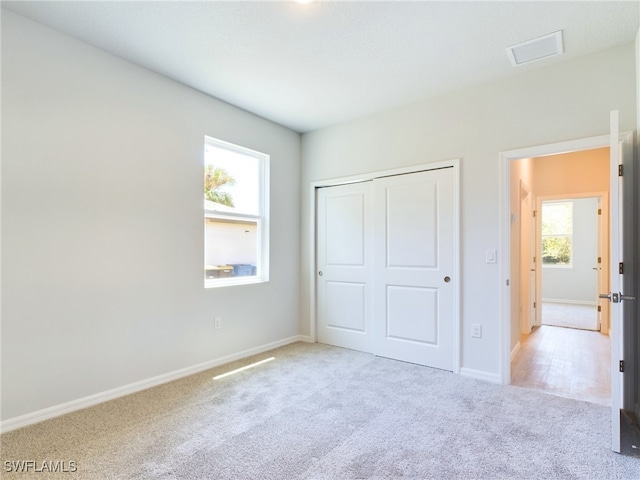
(616, 296)
(534, 306)
(536, 265)
(527, 272)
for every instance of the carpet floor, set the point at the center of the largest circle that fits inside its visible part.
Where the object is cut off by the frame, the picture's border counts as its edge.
(584, 317)
(320, 412)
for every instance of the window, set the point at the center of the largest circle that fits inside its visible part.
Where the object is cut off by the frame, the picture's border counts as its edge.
(236, 208)
(557, 233)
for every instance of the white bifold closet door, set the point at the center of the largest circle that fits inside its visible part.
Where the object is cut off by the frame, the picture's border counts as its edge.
(385, 257)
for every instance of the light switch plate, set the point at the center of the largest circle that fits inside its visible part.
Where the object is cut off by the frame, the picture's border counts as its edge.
(476, 330)
(492, 256)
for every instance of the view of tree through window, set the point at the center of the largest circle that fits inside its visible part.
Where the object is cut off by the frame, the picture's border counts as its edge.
(557, 232)
(215, 179)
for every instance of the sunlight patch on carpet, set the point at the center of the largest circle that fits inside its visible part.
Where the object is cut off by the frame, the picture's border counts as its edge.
(242, 369)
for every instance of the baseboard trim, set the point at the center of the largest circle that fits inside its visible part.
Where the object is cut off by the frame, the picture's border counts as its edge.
(480, 375)
(515, 351)
(79, 404)
(570, 302)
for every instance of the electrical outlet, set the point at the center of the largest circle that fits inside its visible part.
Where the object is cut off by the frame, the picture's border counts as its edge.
(217, 323)
(476, 330)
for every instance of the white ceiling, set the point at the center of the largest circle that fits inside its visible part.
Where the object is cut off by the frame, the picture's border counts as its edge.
(307, 66)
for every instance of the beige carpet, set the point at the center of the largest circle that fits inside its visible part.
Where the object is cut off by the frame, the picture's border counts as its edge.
(319, 412)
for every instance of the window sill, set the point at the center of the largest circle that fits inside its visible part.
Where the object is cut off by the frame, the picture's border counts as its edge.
(229, 282)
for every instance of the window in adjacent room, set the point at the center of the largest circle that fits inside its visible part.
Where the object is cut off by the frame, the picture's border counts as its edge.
(557, 233)
(236, 209)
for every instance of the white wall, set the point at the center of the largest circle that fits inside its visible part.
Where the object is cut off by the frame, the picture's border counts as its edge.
(106, 158)
(578, 282)
(572, 173)
(556, 103)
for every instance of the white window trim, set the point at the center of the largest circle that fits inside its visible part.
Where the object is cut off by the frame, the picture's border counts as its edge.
(262, 219)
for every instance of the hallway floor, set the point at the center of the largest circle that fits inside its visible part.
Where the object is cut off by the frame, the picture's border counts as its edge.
(584, 317)
(565, 362)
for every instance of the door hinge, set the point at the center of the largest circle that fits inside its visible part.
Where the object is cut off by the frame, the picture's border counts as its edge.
(534, 213)
(620, 170)
(599, 259)
(599, 211)
(621, 268)
(621, 364)
(534, 259)
(534, 304)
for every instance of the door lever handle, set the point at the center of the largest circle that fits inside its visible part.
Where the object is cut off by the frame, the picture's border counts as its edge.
(613, 297)
(617, 297)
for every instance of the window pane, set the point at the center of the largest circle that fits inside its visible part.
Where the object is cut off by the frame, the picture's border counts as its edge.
(231, 248)
(556, 250)
(231, 181)
(557, 218)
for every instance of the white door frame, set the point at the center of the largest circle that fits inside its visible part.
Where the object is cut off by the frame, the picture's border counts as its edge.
(455, 164)
(602, 233)
(505, 158)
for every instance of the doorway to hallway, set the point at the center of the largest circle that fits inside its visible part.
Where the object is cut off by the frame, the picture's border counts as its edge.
(560, 348)
(574, 268)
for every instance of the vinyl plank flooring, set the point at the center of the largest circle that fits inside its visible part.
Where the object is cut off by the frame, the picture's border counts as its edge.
(565, 362)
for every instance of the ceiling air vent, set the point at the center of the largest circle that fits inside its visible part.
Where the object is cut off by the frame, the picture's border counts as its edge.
(536, 49)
